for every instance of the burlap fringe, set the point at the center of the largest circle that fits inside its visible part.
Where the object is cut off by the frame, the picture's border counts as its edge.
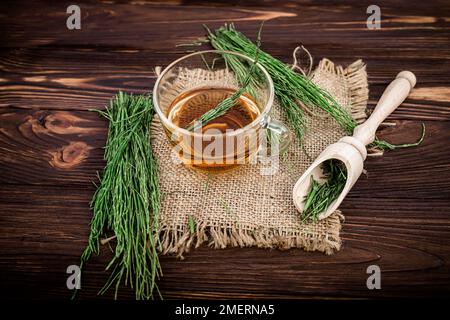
(179, 240)
(356, 79)
(359, 90)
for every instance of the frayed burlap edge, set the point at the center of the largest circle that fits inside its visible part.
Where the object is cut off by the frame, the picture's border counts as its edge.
(357, 86)
(180, 239)
(174, 241)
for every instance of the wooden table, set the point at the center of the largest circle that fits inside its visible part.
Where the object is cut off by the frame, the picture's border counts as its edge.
(51, 145)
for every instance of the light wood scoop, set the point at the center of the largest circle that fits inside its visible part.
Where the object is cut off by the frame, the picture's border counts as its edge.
(352, 150)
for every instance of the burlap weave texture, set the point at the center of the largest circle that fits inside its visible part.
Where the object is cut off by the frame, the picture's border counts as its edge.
(243, 207)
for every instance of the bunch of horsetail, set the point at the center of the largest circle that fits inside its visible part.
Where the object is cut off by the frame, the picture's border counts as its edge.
(127, 201)
(291, 88)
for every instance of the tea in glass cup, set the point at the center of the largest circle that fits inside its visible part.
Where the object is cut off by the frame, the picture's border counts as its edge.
(197, 83)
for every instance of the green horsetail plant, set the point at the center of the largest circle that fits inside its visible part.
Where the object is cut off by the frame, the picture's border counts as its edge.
(290, 86)
(127, 201)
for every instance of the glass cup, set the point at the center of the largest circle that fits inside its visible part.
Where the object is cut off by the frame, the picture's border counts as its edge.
(186, 85)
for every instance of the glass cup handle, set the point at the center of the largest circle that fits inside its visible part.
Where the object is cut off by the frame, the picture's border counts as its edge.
(278, 136)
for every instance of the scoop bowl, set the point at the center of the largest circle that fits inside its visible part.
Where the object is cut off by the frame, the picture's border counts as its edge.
(343, 151)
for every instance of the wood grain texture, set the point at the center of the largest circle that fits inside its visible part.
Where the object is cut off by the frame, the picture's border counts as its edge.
(398, 216)
(411, 249)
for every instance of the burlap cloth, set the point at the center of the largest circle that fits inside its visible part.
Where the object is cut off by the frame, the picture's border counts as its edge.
(243, 208)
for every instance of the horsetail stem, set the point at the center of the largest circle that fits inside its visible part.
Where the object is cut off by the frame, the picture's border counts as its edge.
(384, 145)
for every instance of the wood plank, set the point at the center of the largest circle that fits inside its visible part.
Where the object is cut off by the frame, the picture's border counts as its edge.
(51, 147)
(393, 233)
(80, 79)
(70, 60)
(149, 21)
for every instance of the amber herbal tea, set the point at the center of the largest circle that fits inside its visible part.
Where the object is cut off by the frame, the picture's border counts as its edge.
(217, 118)
(217, 148)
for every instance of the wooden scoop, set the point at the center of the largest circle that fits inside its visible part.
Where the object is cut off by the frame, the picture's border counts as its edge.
(352, 150)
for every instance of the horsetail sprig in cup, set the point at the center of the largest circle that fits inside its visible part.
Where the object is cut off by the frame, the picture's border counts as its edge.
(221, 107)
(127, 202)
(244, 75)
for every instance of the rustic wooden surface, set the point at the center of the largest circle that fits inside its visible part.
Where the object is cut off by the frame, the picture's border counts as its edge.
(51, 145)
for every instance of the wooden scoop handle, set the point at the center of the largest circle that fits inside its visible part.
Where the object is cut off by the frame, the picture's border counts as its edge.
(392, 97)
